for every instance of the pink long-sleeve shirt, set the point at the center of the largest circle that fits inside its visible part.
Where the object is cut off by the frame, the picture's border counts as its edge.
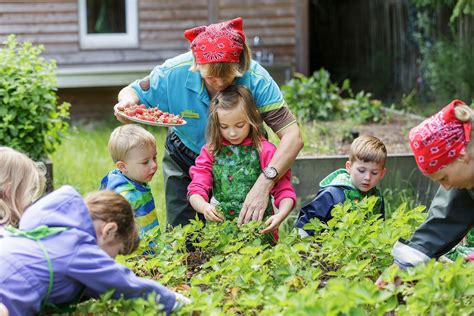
(202, 181)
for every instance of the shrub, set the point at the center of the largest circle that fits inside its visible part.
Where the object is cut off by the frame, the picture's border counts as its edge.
(30, 119)
(317, 98)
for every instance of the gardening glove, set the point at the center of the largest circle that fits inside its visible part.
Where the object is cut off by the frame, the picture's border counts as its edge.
(181, 300)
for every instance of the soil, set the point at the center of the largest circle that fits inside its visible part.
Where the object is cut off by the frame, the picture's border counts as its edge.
(336, 137)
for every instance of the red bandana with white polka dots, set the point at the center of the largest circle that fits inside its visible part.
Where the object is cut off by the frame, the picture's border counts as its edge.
(216, 43)
(440, 139)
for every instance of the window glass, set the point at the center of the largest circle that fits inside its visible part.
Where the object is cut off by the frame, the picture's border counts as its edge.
(106, 16)
(108, 24)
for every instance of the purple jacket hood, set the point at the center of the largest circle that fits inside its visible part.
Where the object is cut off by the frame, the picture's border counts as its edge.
(54, 210)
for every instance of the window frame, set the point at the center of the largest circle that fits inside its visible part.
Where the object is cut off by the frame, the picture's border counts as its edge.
(111, 40)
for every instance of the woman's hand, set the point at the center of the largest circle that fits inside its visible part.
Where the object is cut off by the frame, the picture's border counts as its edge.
(120, 118)
(126, 97)
(256, 201)
(211, 214)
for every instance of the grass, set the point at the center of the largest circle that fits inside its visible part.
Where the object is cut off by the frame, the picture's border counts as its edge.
(83, 160)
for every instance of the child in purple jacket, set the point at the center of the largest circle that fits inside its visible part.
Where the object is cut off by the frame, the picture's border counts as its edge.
(66, 246)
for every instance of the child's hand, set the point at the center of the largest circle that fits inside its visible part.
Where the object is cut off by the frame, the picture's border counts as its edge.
(273, 223)
(397, 281)
(211, 214)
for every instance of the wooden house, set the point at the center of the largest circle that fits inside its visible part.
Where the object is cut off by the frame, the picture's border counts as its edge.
(102, 45)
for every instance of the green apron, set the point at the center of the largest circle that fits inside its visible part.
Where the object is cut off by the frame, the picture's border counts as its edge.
(235, 170)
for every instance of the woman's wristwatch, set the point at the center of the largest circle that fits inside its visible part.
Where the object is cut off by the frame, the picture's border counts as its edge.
(270, 173)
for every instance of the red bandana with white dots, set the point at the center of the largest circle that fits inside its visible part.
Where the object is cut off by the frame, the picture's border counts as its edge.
(216, 43)
(440, 139)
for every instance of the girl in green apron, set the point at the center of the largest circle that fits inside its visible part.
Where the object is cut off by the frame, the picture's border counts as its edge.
(232, 160)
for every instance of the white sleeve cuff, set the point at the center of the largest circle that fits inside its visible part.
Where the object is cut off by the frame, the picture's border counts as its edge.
(180, 301)
(407, 256)
(302, 233)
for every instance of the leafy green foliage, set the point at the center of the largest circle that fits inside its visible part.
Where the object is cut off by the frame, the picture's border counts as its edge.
(105, 306)
(447, 57)
(236, 270)
(30, 119)
(317, 98)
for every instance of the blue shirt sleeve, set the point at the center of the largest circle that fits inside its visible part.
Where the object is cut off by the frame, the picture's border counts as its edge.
(152, 90)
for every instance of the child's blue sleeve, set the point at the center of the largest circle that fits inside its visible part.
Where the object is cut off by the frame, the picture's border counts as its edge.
(320, 207)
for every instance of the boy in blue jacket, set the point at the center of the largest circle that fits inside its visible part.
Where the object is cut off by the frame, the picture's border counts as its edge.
(364, 170)
(133, 150)
(65, 248)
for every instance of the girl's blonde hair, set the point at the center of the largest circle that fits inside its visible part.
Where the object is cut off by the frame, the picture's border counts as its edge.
(464, 113)
(22, 181)
(224, 69)
(109, 207)
(126, 138)
(228, 99)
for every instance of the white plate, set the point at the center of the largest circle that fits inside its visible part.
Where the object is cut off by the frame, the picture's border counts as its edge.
(134, 119)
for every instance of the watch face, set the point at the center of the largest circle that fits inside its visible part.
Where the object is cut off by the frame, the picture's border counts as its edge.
(270, 173)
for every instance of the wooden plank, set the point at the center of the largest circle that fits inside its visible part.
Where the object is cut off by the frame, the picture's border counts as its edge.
(302, 38)
(173, 4)
(269, 13)
(40, 7)
(39, 28)
(240, 3)
(108, 57)
(272, 32)
(56, 48)
(281, 21)
(172, 25)
(31, 18)
(49, 38)
(165, 45)
(212, 11)
(173, 15)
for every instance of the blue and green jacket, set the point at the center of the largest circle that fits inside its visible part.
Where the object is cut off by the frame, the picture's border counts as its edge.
(138, 195)
(335, 188)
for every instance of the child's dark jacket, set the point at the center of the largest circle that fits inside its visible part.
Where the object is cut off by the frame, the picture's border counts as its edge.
(335, 189)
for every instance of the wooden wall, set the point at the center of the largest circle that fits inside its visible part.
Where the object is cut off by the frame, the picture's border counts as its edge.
(161, 24)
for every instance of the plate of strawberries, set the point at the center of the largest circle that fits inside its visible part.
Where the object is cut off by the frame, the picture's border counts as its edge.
(151, 116)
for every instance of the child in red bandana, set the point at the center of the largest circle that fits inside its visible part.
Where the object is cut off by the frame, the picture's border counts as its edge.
(443, 151)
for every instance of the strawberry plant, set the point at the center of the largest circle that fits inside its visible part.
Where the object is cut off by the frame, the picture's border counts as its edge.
(236, 270)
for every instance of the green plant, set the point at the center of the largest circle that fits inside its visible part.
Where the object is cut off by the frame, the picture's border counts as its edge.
(105, 306)
(30, 119)
(446, 50)
(314, 97)
(317, 98)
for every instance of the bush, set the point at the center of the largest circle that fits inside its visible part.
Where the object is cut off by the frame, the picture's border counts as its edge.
(30, 119)
(317, 98)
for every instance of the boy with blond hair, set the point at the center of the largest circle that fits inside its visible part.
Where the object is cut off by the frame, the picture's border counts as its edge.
(133, 150)
(364, 170)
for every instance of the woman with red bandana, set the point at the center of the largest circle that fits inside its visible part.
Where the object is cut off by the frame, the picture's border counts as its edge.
(185, 85)
(443, 151)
